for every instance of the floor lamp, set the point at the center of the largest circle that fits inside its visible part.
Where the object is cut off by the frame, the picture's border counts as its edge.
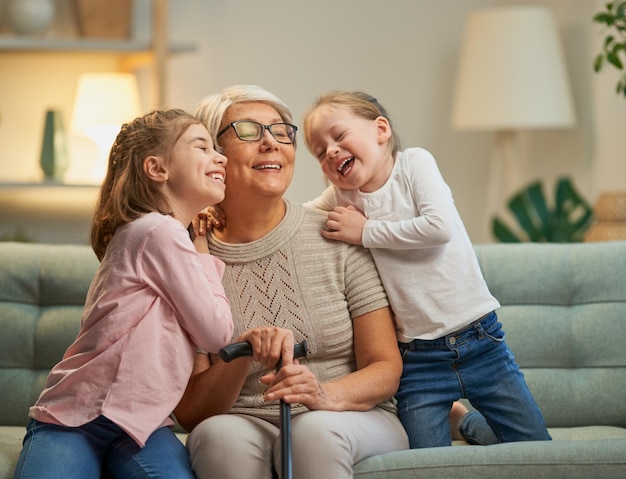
(512, 76)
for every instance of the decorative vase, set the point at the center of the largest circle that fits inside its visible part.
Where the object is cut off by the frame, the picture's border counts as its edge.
(30, 17)
(54, 160)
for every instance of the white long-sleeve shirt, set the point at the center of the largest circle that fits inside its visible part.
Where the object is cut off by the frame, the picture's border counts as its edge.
(422, 251)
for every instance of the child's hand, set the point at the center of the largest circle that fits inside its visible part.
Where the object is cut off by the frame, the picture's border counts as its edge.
(197, 232)
(215, 217)
(208, 218)
(345, 224)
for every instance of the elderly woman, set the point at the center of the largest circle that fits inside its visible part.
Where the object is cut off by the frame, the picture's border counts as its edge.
(286, 283)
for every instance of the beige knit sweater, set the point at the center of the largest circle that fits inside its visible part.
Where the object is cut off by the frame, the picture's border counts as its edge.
(294, 278)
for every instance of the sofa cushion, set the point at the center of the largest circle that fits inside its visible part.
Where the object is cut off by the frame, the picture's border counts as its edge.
(562, 306)
(10, 447)
(563, 310)
(42, 292)
(604, 459)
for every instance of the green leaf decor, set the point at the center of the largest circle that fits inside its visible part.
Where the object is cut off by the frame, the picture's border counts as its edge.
(614, 45)
(565, 222)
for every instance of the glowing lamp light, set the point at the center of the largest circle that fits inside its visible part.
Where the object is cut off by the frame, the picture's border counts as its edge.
(104, 102)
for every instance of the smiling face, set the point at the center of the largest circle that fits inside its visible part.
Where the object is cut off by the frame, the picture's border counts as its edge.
(262, 168)
(353, 151)
(196, 172)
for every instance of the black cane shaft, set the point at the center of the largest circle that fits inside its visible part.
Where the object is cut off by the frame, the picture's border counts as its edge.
(238, 350)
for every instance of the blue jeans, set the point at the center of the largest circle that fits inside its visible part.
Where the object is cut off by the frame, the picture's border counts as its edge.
(474, 363)
(97, 449)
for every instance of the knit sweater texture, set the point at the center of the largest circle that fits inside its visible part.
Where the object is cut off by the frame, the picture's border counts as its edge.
(294, 278)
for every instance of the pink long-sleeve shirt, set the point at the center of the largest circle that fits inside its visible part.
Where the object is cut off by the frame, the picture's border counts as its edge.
(153, 300)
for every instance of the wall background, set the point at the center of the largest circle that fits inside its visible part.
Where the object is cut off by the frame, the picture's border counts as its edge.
(405, 53)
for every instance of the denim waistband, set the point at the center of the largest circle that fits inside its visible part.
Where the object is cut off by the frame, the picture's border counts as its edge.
(473, 324)
(485, 322)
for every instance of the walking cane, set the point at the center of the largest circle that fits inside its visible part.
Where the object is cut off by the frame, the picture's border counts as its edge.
(244, 348)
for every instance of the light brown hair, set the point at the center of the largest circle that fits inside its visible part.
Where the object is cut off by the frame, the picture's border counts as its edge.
(360, 103)
(127, 192)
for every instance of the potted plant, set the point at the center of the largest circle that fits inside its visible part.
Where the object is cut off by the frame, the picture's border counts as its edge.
(614, 46)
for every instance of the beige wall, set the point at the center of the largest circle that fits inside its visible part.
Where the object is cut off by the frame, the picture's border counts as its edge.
(404, 52)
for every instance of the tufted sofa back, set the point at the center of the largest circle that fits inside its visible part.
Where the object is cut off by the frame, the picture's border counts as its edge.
(42, 292)
(564, 315)
(563, 310)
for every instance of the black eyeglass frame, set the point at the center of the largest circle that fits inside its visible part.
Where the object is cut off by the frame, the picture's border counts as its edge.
(263, 128)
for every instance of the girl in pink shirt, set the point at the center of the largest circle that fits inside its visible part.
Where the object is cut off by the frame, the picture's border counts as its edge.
(157, 296)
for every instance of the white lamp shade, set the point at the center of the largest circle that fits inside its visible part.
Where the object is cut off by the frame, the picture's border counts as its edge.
(105, 99)
(104, 102)
(512, 74)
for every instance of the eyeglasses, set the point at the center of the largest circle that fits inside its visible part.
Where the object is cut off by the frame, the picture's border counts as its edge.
(247, 130)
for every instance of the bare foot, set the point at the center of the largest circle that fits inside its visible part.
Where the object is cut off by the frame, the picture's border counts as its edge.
(456, 414)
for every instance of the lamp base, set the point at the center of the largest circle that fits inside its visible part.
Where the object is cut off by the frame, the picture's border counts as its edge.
(503, 176)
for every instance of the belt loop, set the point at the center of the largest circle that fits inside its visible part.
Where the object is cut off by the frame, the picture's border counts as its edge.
(481, 331)
(407, 346)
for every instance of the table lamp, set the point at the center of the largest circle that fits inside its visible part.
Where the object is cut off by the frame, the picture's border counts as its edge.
(104, 101)
(512, 76)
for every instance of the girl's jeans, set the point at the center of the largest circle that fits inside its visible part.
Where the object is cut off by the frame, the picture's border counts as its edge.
(99, 448)
(473, 363)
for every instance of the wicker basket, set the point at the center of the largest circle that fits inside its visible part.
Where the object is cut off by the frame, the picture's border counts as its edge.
(105, 19)
(606, 231)
(611, 206)
(610, 214)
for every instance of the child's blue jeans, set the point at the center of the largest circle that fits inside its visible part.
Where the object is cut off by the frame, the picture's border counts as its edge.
(473, 363)
(99, 448)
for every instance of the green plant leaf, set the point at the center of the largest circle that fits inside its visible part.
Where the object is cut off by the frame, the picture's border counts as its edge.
(538, 200)
(502, 233)
(597, 64)
(567, 221)
(572, 213)
(614, 17)
(614, 60)
(606, 18)
(522, 209)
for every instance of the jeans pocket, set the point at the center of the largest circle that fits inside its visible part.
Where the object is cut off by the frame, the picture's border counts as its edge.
(495, 333)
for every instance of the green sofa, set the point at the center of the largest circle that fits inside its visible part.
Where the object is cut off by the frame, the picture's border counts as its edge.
(563, 308)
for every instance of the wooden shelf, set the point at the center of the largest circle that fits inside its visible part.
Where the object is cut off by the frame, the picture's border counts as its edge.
(25, 44)
(58, 198)
(7, 185)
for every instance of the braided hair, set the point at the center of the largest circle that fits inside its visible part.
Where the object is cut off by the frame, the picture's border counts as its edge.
(127, 192)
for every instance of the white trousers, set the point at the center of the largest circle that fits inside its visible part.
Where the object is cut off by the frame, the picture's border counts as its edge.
(324, 444)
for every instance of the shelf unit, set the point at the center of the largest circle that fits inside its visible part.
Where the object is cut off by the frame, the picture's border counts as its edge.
(59, 212)
(133, 52)
(13, 43)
